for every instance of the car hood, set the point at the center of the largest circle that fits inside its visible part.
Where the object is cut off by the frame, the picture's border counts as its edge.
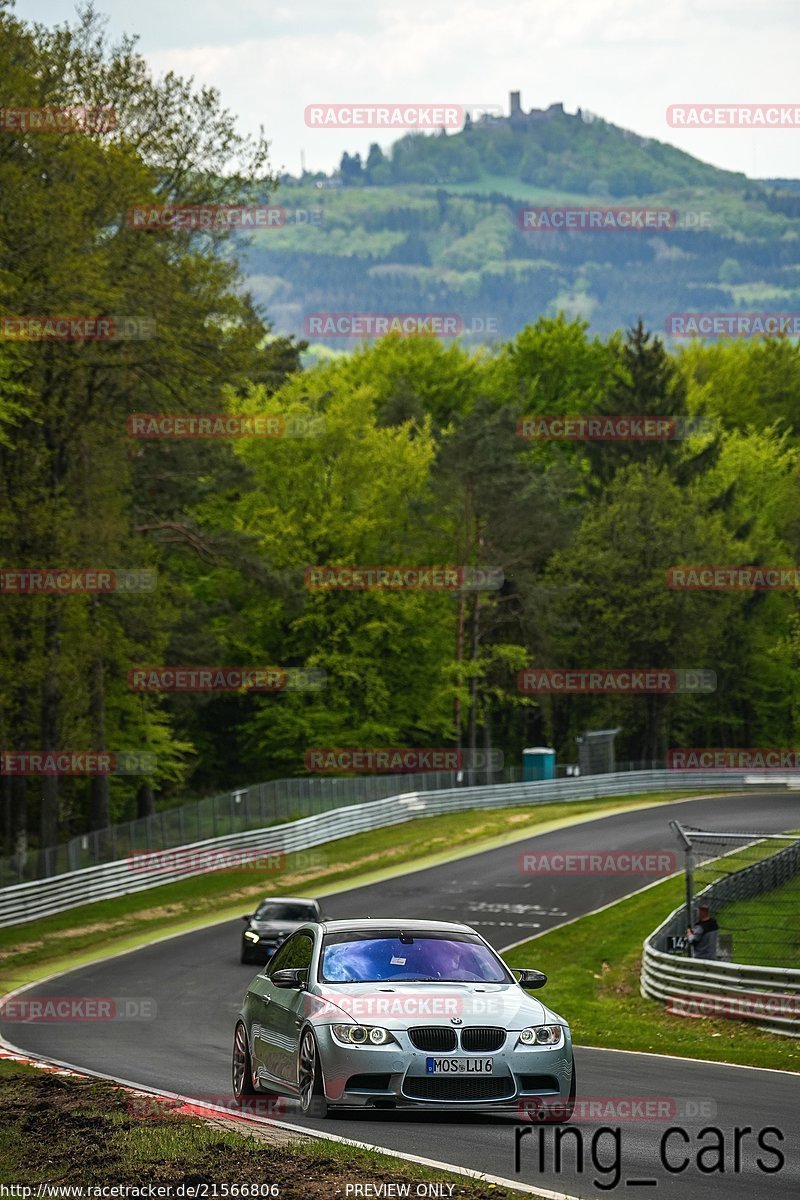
(280, 927)
(401, 1005)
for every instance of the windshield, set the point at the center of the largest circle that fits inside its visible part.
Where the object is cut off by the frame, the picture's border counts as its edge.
(270, 911)
(354, 958)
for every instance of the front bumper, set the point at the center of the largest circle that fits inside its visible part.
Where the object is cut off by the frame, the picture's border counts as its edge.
(397, 1076)
(262, 950)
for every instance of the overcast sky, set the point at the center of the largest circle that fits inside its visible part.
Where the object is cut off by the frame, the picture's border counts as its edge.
(622, 59)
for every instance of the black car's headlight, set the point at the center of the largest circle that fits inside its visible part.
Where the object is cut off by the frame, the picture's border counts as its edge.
(541, 1035)
(251, 935)
(362, 1035)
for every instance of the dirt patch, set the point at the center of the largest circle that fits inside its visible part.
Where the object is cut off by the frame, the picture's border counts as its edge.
(97, 927)
(20, 948)
(166, 910)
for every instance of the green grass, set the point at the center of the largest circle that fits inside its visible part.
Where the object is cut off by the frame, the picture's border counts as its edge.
(748, 919)
(76, 1130)
(762, 934)
(92, 931)
(594, 964)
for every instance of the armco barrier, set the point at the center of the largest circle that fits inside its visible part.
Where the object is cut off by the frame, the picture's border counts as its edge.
(738, 987)
(236, 811)
(768, 995)
(26, 901)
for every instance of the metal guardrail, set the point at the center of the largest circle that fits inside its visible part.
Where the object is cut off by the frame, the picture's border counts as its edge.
(236, 811)
(768, 995)
(26, 901)
(242, 809)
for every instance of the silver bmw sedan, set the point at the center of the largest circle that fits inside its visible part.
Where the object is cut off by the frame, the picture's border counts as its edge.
(400, 1014)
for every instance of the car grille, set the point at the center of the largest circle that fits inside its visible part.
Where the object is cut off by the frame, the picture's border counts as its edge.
(433, 1037)
(425, 1088)
(482, 1037)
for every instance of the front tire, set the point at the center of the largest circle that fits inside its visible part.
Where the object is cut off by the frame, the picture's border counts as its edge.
(241, 1067)
(309, 1077)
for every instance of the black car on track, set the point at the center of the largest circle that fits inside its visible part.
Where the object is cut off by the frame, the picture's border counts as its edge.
(274, 919)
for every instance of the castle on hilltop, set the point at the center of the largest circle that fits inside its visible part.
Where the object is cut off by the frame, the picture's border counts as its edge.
(519, 119)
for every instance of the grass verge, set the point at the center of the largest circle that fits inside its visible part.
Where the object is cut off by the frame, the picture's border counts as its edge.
(766, 929)
(594, 966)
(80, 935)
(61, 1129)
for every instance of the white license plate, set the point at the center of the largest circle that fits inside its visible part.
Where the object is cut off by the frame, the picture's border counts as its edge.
(459, 1066)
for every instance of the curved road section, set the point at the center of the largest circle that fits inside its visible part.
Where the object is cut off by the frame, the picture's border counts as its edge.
(692, 1129)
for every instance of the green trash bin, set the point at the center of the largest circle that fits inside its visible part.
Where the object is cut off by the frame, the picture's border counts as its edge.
(539, 762)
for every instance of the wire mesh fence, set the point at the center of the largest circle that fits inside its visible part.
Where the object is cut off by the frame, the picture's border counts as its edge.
(237, 811)
(244, 809)
(751, 883)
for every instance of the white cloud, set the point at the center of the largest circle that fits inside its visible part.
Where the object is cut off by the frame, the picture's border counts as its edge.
(619, 58)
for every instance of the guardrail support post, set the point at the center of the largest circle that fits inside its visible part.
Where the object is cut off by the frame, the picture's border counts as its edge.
(688, 869)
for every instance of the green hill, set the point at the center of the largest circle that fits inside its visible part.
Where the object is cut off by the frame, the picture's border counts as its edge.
(434, 226)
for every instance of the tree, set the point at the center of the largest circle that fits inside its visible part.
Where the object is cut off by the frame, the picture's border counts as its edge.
(350, 169)
(617, 611)
(72, 487)
(646, 383)
(376, 162)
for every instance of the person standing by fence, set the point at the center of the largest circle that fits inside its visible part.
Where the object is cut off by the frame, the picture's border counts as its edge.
(703, 936)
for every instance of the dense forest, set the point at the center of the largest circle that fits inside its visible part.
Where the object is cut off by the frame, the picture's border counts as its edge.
(410, 456)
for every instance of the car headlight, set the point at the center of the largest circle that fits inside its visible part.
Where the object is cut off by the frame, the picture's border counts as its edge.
(251, 937)
(541, 1035)
(362, 1035)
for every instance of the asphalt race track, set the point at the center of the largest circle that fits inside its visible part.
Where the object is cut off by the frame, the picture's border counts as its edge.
(197, 983)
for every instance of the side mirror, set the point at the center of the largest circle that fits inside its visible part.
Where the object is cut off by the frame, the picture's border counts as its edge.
(247, 916)
(529, 979)
(290, 977)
